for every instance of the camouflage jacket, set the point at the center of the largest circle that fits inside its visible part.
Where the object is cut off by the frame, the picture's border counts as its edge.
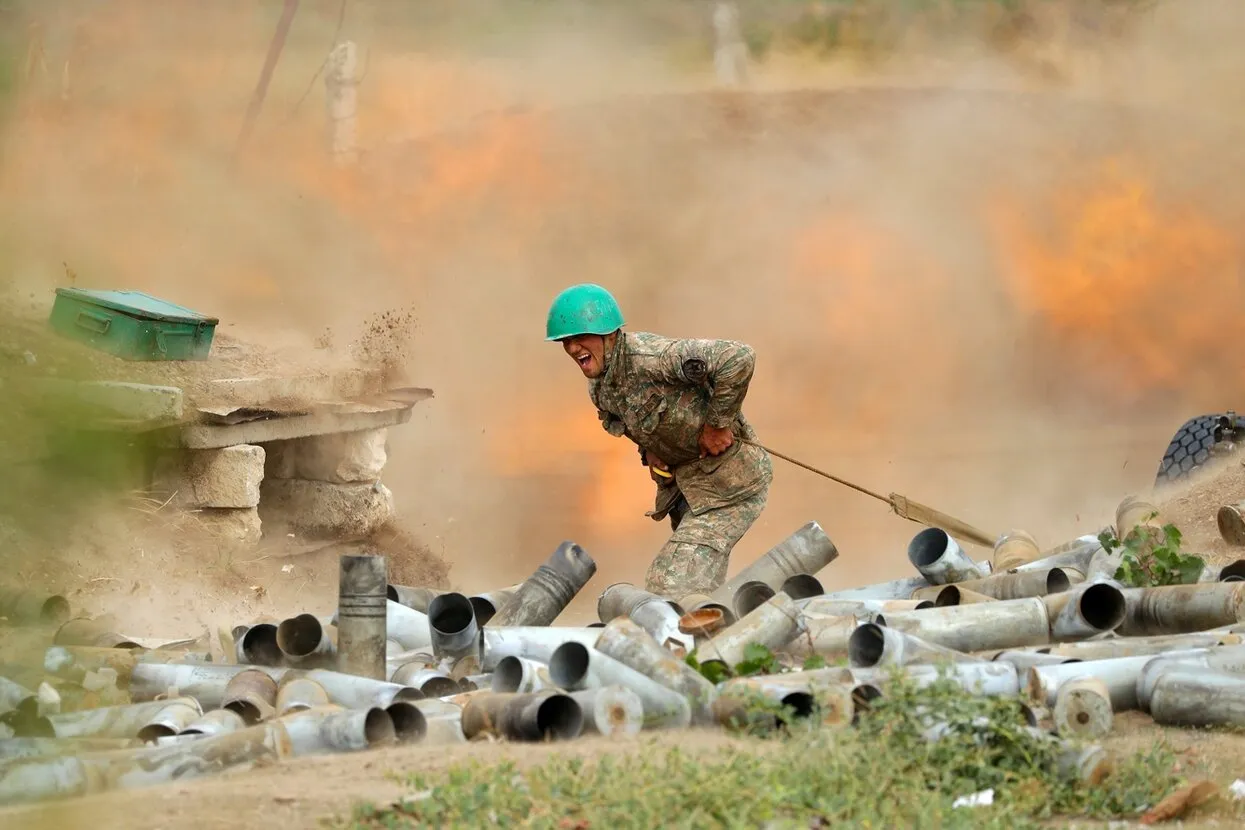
(660, 391)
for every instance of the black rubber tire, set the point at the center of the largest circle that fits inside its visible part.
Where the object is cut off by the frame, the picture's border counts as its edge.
(1189, 448)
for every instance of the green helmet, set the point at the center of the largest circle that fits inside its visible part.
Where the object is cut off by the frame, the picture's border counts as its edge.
(583, 309)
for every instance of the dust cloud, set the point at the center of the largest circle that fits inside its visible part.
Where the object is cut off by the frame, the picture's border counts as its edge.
(992, 280)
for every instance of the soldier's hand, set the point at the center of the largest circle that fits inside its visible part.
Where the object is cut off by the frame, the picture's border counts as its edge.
(654, 461)
(714, 441)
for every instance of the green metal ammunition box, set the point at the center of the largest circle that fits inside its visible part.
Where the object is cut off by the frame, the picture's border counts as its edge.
(132, 325)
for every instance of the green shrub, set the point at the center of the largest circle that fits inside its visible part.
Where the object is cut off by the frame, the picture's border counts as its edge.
(904, 764)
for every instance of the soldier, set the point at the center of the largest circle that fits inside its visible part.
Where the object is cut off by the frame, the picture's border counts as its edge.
(679, 401)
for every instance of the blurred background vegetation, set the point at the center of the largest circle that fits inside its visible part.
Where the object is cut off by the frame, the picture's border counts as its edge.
(869, 29)
(52, 465)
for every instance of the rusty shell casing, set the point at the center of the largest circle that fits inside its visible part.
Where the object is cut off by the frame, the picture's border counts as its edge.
(736, 708)
(952, 595)
(204, 682)
(1083, 708)
(335, 728)
(252, 694)
(295, 694)
(306, 642)
(412, 596)
(1120, 674)
(256, 645)
(14, 748)
(362, 602)
(83, 631)
(574, 667)
(750, 596)
(622, 598)
(802, 586)
(488, 603)
(22, 607)
(356, 692)
(993, 679)
(170, 720)
(874, 645)
(831, 704)
(895, 590)
(452, 625)
(14, 695)
(827, 635)
(1020, 584)
(986, 626)
(656, 615)
(1137, 646)
(1230, 519)
(773, 624)
(827, 607)
(1074, 555)
(1227, 659)
(520, 675)
(215, 722)
(36, 779)
(547, 592)
(544, 715)
(626, 641)
(535, 642)
(1086, 611)
(431, 682)
(940, 559)
(73, 662)
(693, 603)
(1181, 609)
(115, 721)
(1135, 512)
(1193, 696)
(806, 551)
(1013, 549)
(610, 710)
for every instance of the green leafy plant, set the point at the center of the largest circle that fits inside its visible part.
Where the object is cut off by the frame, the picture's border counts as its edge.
(713, 671)
(905, 762)
(758, 659)
(1152, 557)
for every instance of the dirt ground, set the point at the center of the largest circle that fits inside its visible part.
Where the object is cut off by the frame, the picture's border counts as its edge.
(301, 792)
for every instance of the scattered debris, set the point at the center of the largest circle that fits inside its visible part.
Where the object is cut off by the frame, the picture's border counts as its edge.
(982, 799)
(1183, 799)
(1068, 646)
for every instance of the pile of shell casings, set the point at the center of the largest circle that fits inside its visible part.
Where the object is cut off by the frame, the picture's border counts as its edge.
(411, 665)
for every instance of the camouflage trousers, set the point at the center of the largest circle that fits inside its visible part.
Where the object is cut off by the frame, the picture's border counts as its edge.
(695, 558)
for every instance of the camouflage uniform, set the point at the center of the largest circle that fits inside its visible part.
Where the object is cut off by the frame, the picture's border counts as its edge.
(659, 392)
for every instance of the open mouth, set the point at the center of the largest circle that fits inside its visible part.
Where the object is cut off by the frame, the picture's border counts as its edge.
(583, 360)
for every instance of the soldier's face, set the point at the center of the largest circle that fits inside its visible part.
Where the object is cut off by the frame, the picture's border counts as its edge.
(588, 352)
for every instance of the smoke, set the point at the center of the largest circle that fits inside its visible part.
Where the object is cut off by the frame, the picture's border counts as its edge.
(997, 302)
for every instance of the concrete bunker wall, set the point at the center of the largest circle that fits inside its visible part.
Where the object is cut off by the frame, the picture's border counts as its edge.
(321, 487)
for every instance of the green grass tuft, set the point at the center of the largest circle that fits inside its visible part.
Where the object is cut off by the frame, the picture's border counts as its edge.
(902, 765)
